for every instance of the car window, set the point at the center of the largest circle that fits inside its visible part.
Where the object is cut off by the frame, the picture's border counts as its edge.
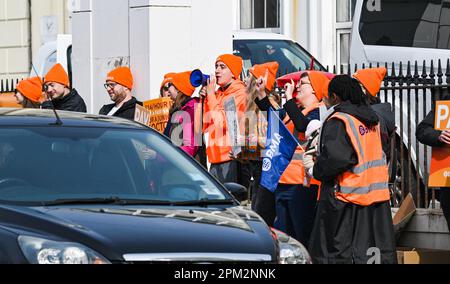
(47, 164)
(288, 54)
(407, 23)
(50, 61)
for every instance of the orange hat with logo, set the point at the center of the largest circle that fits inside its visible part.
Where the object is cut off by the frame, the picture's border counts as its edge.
(233, 62)
(371, 79)
(58, 75)
(121, 76)
(182, 81)
(167, 79)
(320, 83)
(259, 70)
(31, 89)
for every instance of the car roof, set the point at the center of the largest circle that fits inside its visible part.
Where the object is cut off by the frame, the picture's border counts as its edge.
(245, 35)
(38, 117)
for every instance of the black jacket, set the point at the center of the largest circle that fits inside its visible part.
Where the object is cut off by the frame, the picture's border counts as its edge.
(127, 111)
(72, 102)
(337, 154)
(344, 232)
(387, 125)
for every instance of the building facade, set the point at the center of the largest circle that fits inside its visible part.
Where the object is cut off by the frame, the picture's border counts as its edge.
(323, 27)
(24, 26)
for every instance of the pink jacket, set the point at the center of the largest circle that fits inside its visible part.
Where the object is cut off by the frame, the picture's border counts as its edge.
(185, 117)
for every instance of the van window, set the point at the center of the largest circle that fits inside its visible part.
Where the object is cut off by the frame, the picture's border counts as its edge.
(408, 23)
(49, 62)
(289, 55)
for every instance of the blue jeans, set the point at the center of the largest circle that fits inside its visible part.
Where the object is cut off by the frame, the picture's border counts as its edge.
(295, 209)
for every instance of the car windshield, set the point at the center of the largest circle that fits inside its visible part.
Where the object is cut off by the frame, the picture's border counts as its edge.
(47, 164)
(288, 54)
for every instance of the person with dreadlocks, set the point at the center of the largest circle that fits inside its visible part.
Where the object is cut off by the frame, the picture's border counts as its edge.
(353, 221)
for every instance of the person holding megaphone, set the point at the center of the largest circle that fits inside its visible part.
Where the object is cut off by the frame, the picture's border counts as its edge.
(227, 78)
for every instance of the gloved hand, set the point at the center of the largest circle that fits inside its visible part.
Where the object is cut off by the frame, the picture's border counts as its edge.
(308, 159)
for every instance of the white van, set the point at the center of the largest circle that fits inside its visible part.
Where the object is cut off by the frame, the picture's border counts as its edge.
(400, 31)
(394, 31)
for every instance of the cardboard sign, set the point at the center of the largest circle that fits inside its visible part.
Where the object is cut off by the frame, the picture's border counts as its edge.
(159, 113)
(233, 125)
(440, 161)
(142, 115)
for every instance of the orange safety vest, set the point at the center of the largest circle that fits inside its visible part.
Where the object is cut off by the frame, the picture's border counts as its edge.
(367, 182)
(295, 172)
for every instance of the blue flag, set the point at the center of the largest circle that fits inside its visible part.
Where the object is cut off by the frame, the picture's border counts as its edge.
(280, 148)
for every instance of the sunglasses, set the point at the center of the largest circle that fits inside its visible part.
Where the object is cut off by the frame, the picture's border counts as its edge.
(167, 87)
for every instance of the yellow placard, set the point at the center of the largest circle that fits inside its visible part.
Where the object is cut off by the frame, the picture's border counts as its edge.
(142, 115)
(159, 113)
(440, 161)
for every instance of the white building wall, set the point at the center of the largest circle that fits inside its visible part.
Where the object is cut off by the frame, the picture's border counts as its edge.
(21, 38)
(15, 39)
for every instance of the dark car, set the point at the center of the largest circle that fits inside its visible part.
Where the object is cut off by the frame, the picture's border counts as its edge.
(92, 189)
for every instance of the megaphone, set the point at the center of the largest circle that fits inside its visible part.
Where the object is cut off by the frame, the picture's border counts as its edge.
(199, 79)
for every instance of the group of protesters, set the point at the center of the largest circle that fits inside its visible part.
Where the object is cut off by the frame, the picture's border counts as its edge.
(333, 197)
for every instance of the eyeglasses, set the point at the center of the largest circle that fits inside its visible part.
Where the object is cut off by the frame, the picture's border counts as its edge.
(44, 88)
(110, 85)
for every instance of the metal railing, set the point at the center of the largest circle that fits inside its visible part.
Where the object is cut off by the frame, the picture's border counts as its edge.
(8, 85)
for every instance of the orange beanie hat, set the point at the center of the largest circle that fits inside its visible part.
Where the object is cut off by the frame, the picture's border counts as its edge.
(182, 81)
(371, 79)
(234, 63)
(260, 71)
(121, 76)
(319, 83)
(167, 79)
(58, 75)
(31, 89)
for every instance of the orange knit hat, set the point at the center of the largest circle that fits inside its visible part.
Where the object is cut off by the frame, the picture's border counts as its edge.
(371, 79)
(58, 75)
(121, 76)
(31, 89)
(182, 82)
(167, 79)
(233, 62)
(260, 71)
(319, 83)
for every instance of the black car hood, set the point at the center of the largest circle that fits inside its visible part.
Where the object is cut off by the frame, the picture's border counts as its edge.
(116, 231)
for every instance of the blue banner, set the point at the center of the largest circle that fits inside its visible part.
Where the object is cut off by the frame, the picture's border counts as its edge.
(280, 148)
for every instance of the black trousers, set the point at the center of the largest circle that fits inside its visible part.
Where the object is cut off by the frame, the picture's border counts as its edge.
(445, 204)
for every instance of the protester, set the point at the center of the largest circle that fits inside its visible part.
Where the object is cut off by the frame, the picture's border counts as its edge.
(60, 95)
(165, 85)
(353, 215)
(29, 93)
(180, 128)
(428, 135)
(370, 81)
(119, 84)
(227, 77)
(261, 80)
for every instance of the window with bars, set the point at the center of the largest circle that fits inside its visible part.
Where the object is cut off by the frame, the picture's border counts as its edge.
(344, 17)
(260, 14)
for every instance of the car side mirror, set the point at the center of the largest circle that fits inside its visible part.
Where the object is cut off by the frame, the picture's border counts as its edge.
(238, 191)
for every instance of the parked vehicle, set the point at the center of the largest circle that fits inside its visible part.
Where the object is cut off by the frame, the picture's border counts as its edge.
(92, 189)
(258, 48)
(398, 32)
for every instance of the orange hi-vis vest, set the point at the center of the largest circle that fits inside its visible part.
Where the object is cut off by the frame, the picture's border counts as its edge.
(295, 172)
(367, 182)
